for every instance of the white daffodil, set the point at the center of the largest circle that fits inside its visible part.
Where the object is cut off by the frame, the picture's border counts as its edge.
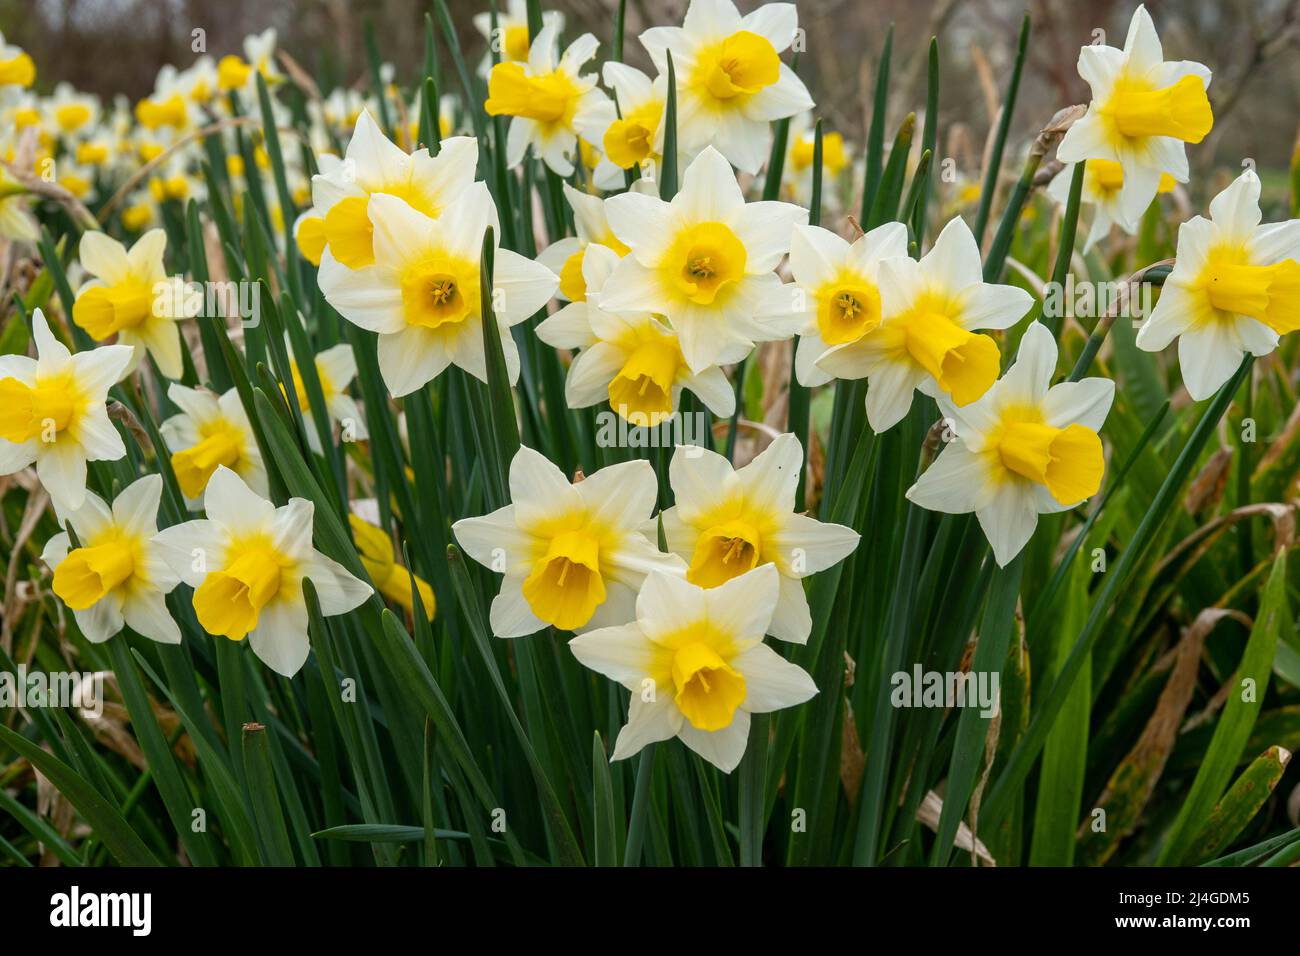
(53, 412)
(564, 257)
(210, 433)
(706, 261)
(840, 286)
(125, 298)
(16, 66)
(510, 38)
(246, 562)
(1142, 112)
(548, 99)
(1026, 448)
(1103, 190)
(632, 360)
(573, 555)
(628, 130)
(336, 367)
(731, 83)
(116, 575)
(1234, 288)
(422, 293)
(375, 165)
(234, 73)
(727, 521)
(928, 337)
(797, 174)
(73, 113)
(696, 665)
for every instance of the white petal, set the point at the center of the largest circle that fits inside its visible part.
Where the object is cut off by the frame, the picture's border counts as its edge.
(1008, 521)
(411, 357)
(647, 723)
(104, 257)
(622, 654)
(145, 612)
(772, 478)
(538, 489)
(772, 682)
(280, 637)
(743, 607)
(956, 483)
(135, 510)
(765, 229)
(722, 748)
(523, 286)
(336, 587)
(234, 506)
(510, 615)
(1084, 403)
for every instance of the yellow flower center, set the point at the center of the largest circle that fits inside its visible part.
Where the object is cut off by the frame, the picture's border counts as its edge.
(642, 391)
(92, 154)
(222, 443)
(964, 364)
(349, 232)
(17, 71)
(572, 284)
(89, 573)
(311, 238)
(1067, 460)
(137, 216)
(228, 602)
(1181, 111)
(42, 411)
(708, 689)
(232, 72)
(705, 259)
(153, 114)
(833, 157)
(516, 42)
(72, 116)
(724, 552)
(439, 290)
(566, 586)
(548, 98)
(105, 310)
(739, 66)
(848, 310)
(1269, 294)
(630, 140)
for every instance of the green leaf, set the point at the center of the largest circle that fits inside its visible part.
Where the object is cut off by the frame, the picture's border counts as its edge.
(606, 832)
(1241, 803)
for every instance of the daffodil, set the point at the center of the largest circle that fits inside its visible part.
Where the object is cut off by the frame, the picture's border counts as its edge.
(1143, 110)
(510, 39)
(1113, 200)
(696, 665)
(929, 337)
(210, 432)
(16, 66)
(547, 99)
(74, 113)
(706, 261)
(1025, 448)
(246, 562)
(234, 73)
(375, 548)
(375, 165)
(573, 555)
(123, 297)
(336, 367)
(731, 83)
(564, 257)
(797, 174)
(116, 574)
(633, 361)
(628, 130)
(1234, 288)
(16, 219)
(840, 287)
(53, 412)
(422, 293)
(728, 521)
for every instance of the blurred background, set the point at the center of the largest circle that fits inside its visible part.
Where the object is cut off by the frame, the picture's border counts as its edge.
(1253, 46)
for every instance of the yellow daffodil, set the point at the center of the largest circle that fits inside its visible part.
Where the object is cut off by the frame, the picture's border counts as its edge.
(210, 433)
(840, 286)
(378, 557)
(1025, 448)
(422, 296)
(246, 562)
(731, 83)
(696, 665)
(53, 412)
(573, 555)
(1234, 288)
(728, 521)
(706, 261)
(1143, 110)
(928, 337)
(548, 100)
(116, 575)
(123, 297)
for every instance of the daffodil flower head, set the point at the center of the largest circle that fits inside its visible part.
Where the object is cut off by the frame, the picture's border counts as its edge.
(548, 99)
(422, 293)
(633, 360)
(373, 164)
(1109, 193)
(628, 130)
(696, 665)
(1143, 110)
(564, 257)
(929, 337)
(731, 83)
(247, 560)
(210, 432)
(728, 521)
(841, 286)
(336, 367)
(706, 262)
(510, 39)
(53, 413)
(1025, 448)
(16, 66)
(116, 575)
(1234, 288)
(375, 548)
(123, 297)
(573, 555)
